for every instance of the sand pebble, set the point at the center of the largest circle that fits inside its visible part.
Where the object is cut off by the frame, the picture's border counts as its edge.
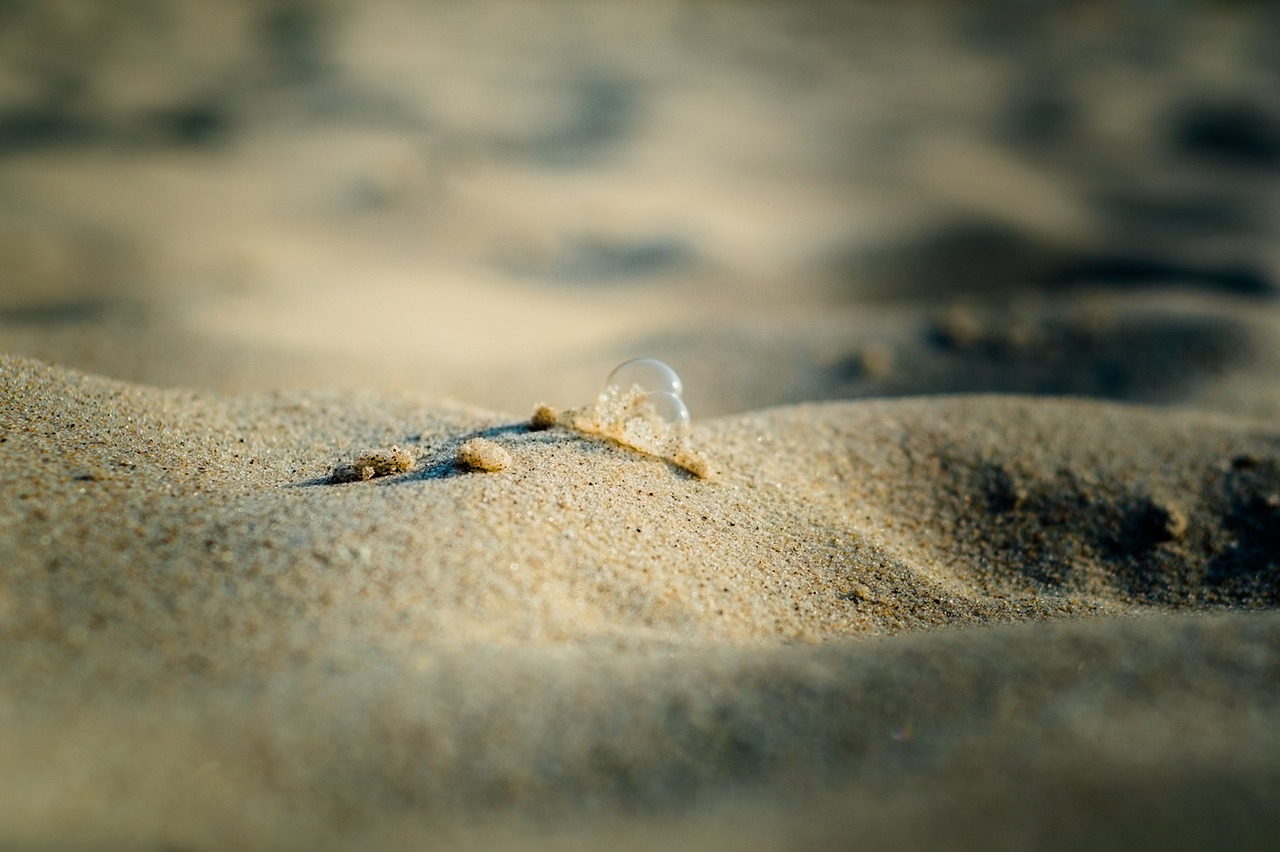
(484, 455)
(372, 465)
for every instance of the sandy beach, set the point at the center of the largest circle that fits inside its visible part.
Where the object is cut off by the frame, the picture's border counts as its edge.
(976, 317)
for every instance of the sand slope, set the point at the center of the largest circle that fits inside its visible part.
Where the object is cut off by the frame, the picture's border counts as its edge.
(198, 625)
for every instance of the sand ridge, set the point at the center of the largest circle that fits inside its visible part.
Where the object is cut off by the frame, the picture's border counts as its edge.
(828, 521)
(545, 648)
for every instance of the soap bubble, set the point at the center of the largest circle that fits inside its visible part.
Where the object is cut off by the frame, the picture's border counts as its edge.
(639, 407)
(669, 408)
(648, 374)
(655, 422)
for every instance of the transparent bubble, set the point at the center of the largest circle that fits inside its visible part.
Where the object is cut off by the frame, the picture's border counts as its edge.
(669, 408)
(649, 374)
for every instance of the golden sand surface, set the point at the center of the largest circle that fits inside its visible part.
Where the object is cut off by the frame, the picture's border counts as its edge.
(200, 624)
(316, 532)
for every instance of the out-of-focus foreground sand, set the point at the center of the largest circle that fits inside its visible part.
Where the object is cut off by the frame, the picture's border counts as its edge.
(976, 313)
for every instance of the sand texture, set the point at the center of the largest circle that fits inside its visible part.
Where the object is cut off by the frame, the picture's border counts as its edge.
(312, 534)
(594, 628)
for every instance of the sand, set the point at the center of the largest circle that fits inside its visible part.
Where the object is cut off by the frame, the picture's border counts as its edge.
(202, 623)
(976, 315)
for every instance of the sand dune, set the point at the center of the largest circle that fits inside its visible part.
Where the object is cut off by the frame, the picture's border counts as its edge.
(197, 614)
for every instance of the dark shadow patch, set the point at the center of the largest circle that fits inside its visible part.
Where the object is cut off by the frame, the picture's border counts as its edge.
(1248, 565)
(1123, 272)
(36, 128)
(199, 124)
(1002, 490)
(591, 260)
(1141, 359)
(1186, 216)
(1239, 134)
(295, 35)
(506, 429)
(1040, 115)
(1142, 525)
(968, 258)
(439, 469)
(312, 482)
(604, 112)
(193, 125)
(601, 260)
(980, 260)
(1070, 533)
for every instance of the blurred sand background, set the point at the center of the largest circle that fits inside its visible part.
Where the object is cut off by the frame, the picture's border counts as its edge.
(976, 312)
(500, 202)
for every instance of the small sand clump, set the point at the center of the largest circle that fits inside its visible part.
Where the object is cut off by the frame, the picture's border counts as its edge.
(544, 417)
(484, 455)
(372, 465)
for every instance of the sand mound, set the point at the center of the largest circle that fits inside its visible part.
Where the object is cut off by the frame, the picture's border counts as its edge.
(204, 638)
(1075, 497)
(827, 521)
(202, 629)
